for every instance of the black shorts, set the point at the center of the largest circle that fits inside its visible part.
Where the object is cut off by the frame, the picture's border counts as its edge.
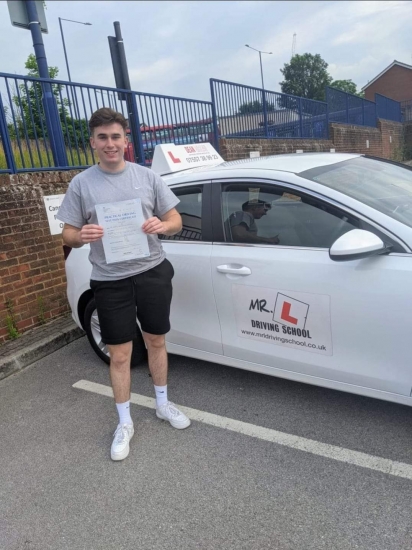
(146, 296)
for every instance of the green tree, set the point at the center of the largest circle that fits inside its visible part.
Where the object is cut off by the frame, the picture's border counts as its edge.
(306, 76)
(28, 100)
(255, 107)
(33, 69)
(346, 86)
(30, 109)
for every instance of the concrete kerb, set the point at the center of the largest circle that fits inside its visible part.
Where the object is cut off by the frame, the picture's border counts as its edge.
(35, 344)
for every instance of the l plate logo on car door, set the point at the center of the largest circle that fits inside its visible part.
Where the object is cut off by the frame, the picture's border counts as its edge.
(286, 318)
(290, 312)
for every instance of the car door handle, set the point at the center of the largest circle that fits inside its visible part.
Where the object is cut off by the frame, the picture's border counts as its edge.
(241, 270)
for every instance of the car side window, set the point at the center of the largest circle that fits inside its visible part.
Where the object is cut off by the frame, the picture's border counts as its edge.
(190, 208)
(267, 214)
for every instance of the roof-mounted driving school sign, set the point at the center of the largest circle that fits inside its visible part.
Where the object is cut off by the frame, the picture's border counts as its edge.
(170, 158)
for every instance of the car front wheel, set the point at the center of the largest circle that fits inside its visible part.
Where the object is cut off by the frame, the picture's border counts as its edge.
(92, 327)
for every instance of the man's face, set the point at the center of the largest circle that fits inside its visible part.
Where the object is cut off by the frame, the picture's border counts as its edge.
(109, 142)
(260, 210)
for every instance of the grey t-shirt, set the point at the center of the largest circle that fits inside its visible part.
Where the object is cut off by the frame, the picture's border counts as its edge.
(96, 186)
(246, 218)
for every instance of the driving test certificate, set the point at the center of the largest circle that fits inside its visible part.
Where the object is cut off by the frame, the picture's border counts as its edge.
(123, 238)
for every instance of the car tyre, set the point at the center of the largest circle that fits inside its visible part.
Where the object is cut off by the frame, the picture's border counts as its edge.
(92, 327)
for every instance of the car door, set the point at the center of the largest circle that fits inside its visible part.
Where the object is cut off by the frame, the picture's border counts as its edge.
(289, 307)
(194, 319)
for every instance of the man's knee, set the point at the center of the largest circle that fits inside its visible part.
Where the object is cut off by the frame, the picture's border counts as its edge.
(120, 355)
(154, 341)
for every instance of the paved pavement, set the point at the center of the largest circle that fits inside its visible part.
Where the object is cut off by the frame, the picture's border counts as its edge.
(36, 344)
(209, 488)
(205, 488)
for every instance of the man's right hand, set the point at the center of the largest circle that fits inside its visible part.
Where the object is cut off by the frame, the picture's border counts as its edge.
(273, 240)
(90, 233)
(77, 237)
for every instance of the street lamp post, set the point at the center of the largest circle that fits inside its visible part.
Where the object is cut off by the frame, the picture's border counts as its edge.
(265, 114)
(260, 59)
(64, 45)
(74, 95)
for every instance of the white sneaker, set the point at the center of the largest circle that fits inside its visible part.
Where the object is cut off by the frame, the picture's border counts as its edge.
(120, 446)
(171, 413)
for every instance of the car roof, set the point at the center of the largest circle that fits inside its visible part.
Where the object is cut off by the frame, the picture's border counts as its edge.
(294, 163)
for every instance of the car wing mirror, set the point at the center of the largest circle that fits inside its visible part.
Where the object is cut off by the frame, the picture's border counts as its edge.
(357, 244)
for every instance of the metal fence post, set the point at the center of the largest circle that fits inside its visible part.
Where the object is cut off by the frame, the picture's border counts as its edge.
(265, 113)
(53, 125)
(214, 115)
(58, 146)
(300, 118)
(5, 138)
(327, 112)
(347, 109)
(363, 113)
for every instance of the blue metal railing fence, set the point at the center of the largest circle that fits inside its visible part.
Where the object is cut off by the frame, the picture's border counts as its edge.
(27, 139)
(387, 108)
(167, 119)
(350, 109)
(244, 112)
(31, 134)
(7, 164)
(27, 118)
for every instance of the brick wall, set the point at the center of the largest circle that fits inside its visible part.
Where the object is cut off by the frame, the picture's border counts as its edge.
(385, 141)
(234, 149)
(32, 277)
(396, 83)
(354, 139)
(392, 139)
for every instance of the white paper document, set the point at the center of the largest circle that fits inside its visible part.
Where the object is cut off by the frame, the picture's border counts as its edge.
(123, 237)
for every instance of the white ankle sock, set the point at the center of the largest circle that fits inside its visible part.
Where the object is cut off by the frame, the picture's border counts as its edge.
(124, 413)
(161, 395)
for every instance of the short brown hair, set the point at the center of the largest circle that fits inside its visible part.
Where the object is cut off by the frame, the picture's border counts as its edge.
(106, 116)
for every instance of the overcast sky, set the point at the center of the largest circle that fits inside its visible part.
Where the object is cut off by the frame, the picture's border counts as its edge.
(174, 48)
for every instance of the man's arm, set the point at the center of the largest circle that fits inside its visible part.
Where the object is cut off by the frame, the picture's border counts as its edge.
(77, 237)
(169, 224)
(241, 234)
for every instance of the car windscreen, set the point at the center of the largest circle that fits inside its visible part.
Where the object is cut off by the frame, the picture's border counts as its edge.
(384, 186)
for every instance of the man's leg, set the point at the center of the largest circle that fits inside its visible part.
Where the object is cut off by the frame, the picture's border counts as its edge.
(153, 298)
(120, 356)
(117, 316)
(157, 356)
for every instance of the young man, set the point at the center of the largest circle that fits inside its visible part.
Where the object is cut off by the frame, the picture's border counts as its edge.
(128, 288)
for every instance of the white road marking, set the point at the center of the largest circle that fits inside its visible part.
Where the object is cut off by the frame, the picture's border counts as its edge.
(384, 465)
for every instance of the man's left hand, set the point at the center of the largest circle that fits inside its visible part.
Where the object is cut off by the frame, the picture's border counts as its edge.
(154, 226)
